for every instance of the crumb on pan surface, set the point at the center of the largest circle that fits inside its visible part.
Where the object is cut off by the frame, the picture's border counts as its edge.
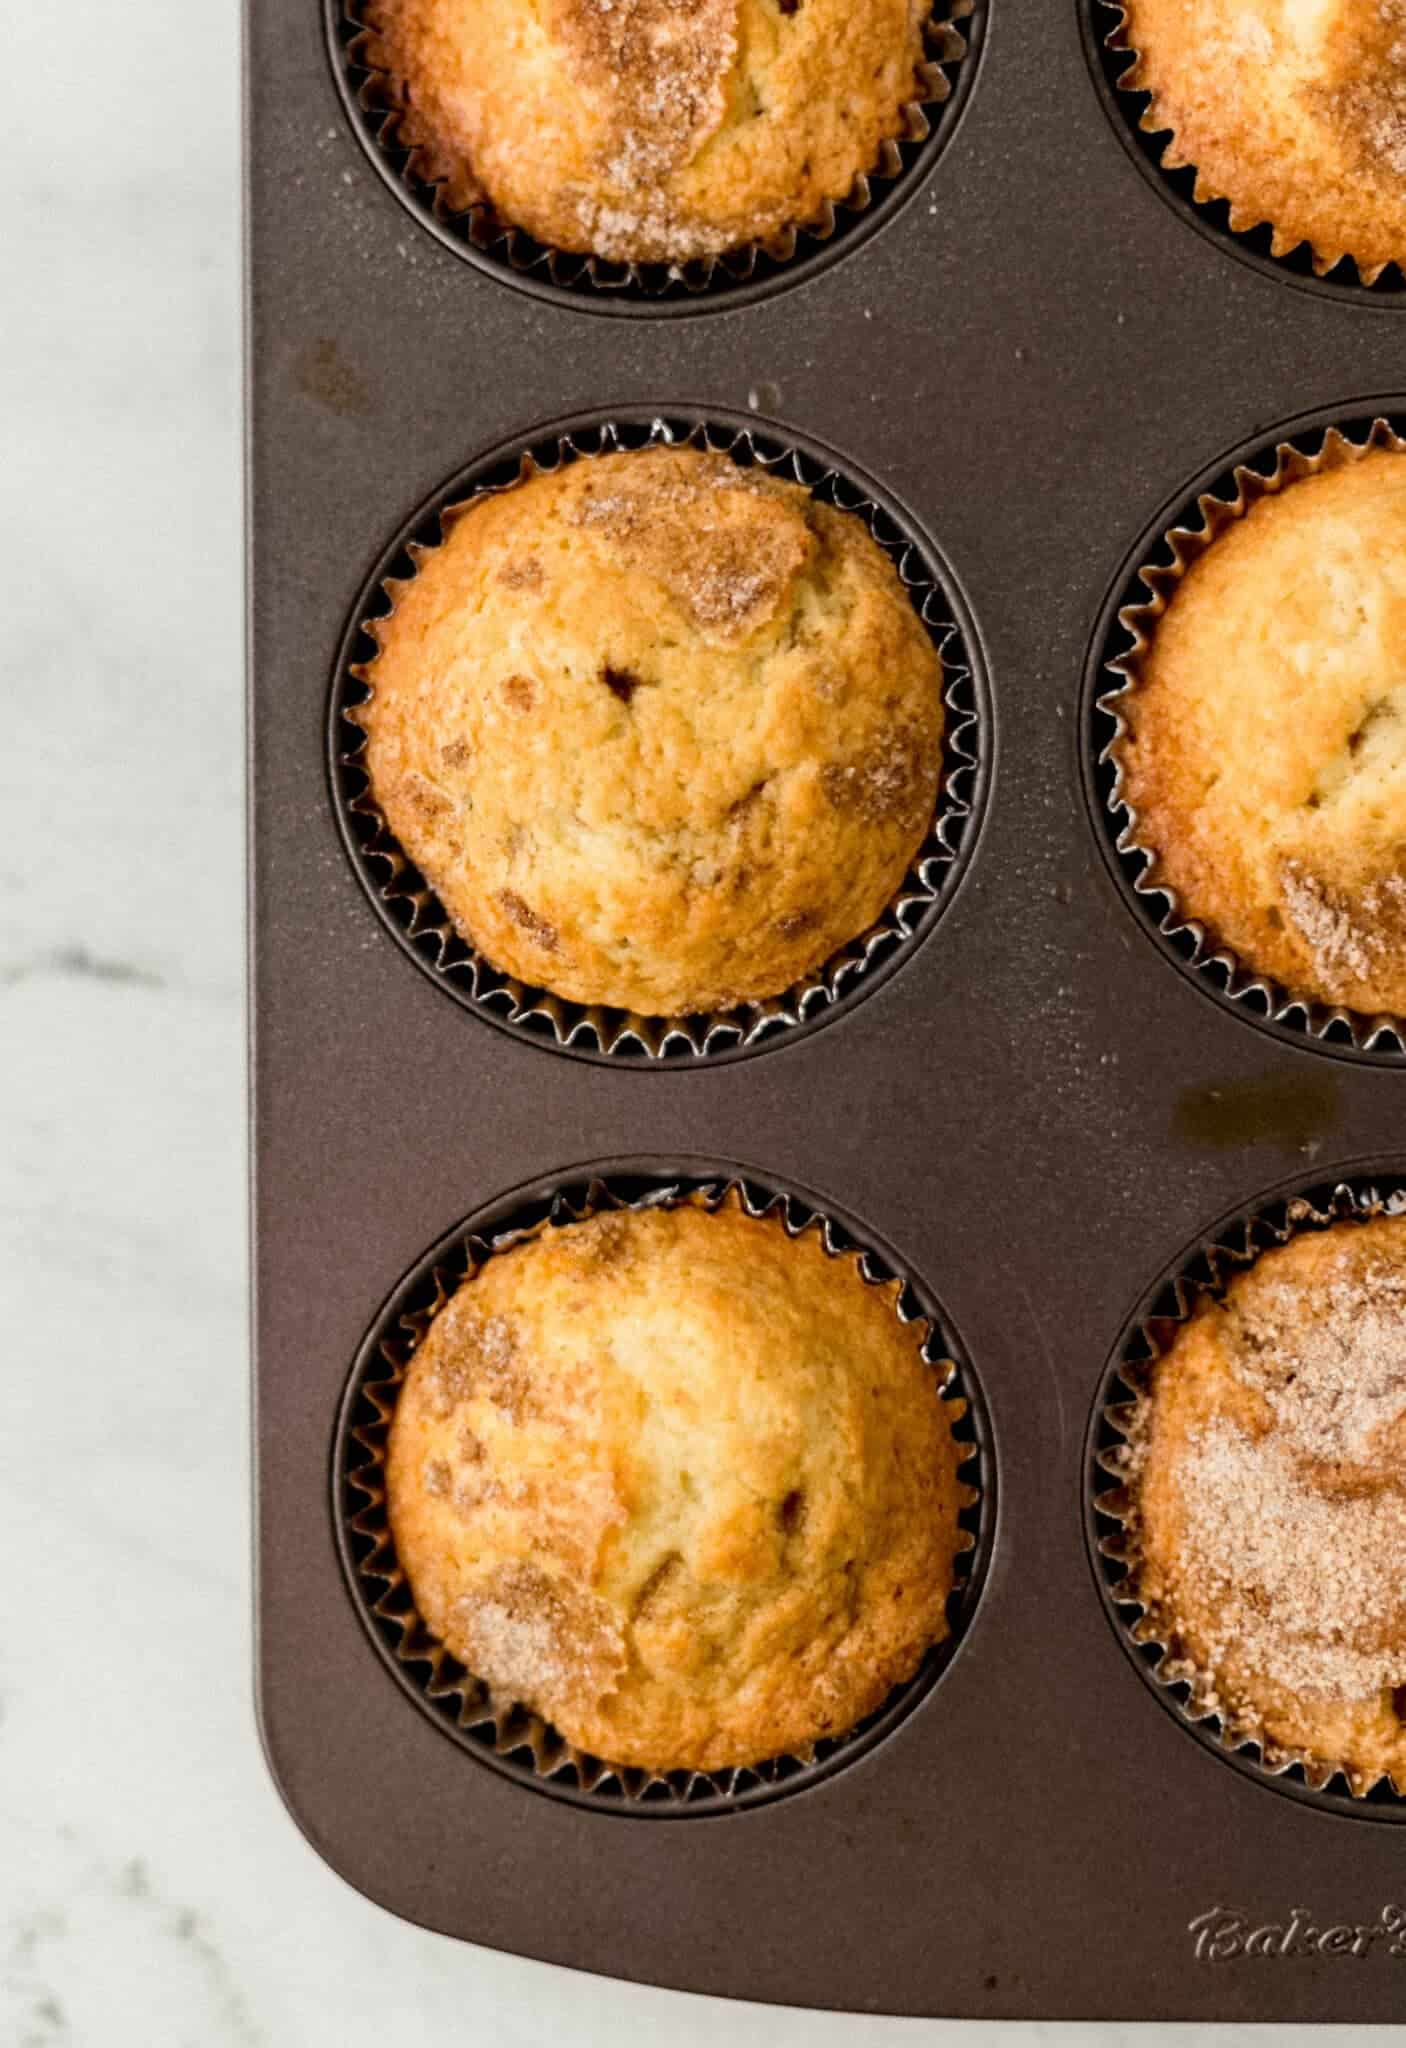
(650, 130)
(662, 733)
(1268, 1474)
(1293, 110)
(1265, 751)
(679, 1483)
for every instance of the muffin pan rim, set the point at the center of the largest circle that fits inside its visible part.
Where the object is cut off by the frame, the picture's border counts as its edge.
(852, 231)
(1112, 1390)
(1108, 815)
(1121, 105)
(979, 1468)
(969, 753)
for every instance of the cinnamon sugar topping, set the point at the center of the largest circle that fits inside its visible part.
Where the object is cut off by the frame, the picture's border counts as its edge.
(1332, 1368)
(887, 782)
(660, 69)
(1295, 1515)
(1370, 106)
(525, 1632)
(724, 548)
(478, 1358)
(1347, 934)
(1309, 1584)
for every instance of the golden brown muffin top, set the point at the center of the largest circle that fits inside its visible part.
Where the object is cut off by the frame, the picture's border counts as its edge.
(1293, 110)
(1269, 1474)
(681, 1484)
(650, 130)
(662, 733)
(1265, 757)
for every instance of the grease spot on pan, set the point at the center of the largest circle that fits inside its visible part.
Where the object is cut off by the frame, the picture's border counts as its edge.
(1292, 1111)
(321, 372)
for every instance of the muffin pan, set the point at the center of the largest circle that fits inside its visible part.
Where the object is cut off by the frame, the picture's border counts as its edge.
(1033, 1112)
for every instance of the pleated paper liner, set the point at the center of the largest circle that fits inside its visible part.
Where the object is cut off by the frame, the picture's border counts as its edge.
(500, 1731)
(1123, 638)
(380, 117)
(1111, 1507)
(413, 914)
(1114, 60)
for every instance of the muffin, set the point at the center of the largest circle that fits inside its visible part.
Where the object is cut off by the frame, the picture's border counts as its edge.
(1292, 110)
(1267, 1468)
(681, 1484)
(649, 131)
(1264, 757)
(662, 733)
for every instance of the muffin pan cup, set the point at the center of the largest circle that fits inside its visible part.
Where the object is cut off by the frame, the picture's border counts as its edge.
(1034, 1110)
(1135, 608)
(1114, 1523)
(411, 910)
(501, 1730)
(376, 103)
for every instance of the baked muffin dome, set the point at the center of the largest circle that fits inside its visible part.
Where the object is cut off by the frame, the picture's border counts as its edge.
(1265, 756)
(1269, 1474)
(662, 733)
(1293, 110)
(681, 1484)
(649, 130)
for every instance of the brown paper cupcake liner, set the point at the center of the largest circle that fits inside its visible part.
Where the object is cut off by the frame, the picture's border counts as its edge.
(501, 1731)
(1111, 1509)
(1122, 641)
(413, 914)
(378, 112)
(1116, 62)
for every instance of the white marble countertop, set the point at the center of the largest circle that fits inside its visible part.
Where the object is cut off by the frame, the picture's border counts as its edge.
(153, 1894)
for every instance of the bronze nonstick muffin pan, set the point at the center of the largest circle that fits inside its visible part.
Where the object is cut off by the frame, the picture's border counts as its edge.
(1042, 1105)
